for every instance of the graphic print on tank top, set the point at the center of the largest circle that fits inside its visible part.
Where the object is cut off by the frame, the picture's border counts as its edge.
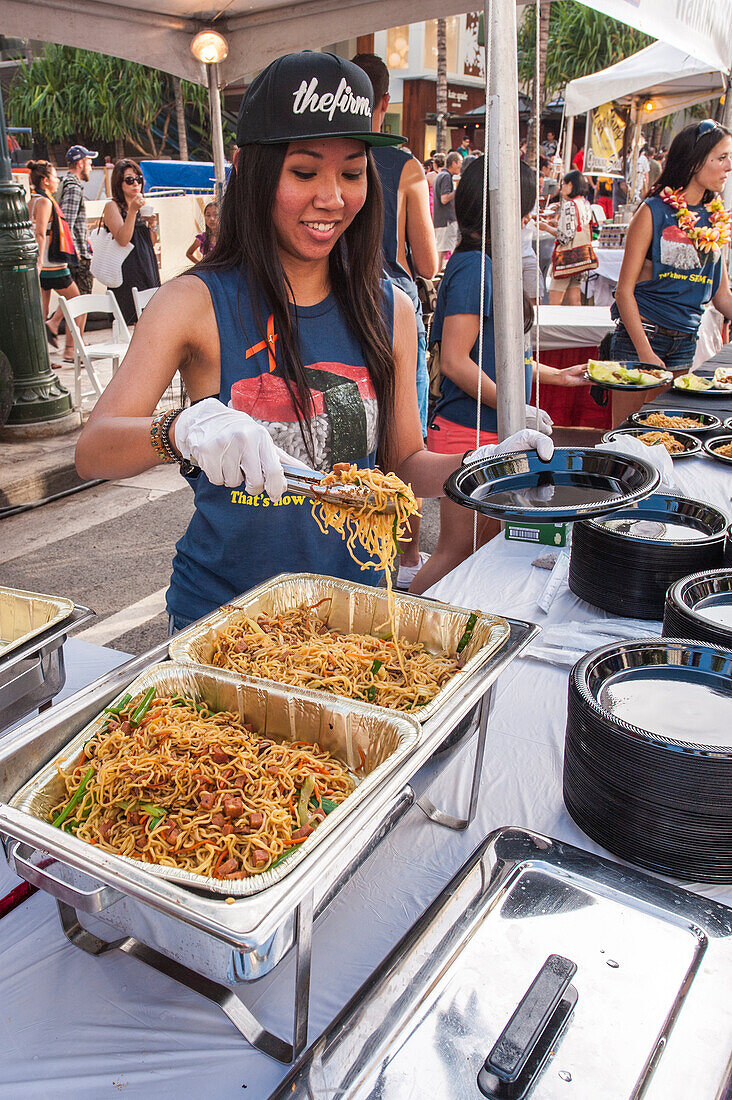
(677, 250)
(344, 410)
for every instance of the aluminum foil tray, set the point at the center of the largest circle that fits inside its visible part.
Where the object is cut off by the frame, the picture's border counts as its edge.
(282, 714)
(359, 609)
(24, 615)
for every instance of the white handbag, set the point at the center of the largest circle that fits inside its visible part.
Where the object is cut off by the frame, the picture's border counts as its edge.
(107, 257)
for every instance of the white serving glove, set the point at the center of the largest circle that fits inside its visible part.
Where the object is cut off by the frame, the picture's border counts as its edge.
(525, 440)
(541, 422)
(231, 447)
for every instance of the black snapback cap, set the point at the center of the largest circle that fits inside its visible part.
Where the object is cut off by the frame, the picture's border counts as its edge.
(309, 95)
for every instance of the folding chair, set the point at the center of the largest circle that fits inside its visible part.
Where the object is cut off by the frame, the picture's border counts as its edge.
(598, 213)
(85, 355)
(141, 298)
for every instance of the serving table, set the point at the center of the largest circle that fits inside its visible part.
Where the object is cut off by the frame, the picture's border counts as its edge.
(76, 1027)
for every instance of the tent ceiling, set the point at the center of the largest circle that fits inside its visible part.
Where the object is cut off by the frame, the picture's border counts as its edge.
(670, 78)
(257, 30)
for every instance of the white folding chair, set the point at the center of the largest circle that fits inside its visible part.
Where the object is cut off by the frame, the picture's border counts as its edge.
(85, 355)
(598, 212)
(141, 298)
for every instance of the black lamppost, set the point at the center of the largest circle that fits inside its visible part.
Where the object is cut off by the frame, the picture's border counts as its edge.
(38, 396)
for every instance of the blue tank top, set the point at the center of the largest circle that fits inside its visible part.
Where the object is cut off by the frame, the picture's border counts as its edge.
(460, 293)
(683, 280)
(390, 163)
(235, 540)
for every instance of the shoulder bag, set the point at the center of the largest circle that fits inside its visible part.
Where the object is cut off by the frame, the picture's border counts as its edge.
(577, 257)
(107, 256)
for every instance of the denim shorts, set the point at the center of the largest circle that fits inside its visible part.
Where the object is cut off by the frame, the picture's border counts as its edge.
(423, 381)
(677, 352)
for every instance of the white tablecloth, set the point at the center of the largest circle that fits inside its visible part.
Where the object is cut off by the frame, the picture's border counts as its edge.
(610, 260)
(573, 326)
(73, 1026)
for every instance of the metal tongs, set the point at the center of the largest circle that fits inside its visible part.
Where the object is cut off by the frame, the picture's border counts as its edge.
(307, 483)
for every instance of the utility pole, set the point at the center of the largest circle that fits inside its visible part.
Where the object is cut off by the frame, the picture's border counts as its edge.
(41, 405)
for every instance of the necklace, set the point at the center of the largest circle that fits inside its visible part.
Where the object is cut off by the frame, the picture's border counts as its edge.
(705, 238)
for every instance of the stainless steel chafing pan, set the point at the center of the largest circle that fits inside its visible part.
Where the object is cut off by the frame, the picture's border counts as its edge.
(346, 731)
(24, 615)
(359, 609)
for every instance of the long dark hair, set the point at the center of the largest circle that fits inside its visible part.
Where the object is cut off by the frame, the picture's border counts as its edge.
(248, 238)
(685, 157)
(469, 214)
(577, 182)
(118, 173)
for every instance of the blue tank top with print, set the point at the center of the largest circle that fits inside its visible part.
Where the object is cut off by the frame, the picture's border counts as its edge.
(236, 540)
(683, 279)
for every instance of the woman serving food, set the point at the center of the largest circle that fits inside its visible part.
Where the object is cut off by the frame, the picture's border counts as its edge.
(289, 343)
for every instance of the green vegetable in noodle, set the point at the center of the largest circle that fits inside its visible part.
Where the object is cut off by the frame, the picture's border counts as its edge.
(306, 793)
(74, 800)
(468, 632)
(119, 707)
(328, 805)
(281, 856)
(371, 690)
(142, 707)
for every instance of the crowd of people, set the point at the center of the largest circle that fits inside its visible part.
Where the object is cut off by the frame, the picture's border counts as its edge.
(300, 334)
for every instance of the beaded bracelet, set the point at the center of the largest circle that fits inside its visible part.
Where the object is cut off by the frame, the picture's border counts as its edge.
(156, 428)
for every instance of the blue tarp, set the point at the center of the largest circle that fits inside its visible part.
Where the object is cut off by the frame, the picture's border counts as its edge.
(190, 175)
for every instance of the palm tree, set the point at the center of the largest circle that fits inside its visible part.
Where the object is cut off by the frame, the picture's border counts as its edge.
(68, 92)
(180, 118)
(538, 95)
(441, 103)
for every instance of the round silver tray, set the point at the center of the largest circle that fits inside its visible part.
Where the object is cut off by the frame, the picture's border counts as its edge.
(707, 421)
(692, 445)
(628, 385)
(576, 483)
(719, 440)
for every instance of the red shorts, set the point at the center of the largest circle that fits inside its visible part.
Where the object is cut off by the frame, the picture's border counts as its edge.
(445, 437)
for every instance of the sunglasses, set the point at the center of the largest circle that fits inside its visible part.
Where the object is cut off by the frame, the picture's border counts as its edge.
(130, 180)
(706, 127)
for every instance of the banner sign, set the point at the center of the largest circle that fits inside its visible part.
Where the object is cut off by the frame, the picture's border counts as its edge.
(604, 140)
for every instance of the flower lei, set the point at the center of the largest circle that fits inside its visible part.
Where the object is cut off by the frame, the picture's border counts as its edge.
(705, 238)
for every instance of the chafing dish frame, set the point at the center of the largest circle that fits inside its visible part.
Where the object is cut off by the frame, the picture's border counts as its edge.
(33, 673)
(274, 918)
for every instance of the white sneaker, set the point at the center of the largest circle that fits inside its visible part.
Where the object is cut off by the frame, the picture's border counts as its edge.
(407, 573)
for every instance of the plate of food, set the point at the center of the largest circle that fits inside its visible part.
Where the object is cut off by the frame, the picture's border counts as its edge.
(720, 448)
(676, 420)
(705, 387)
(678, 444)
(626, 376)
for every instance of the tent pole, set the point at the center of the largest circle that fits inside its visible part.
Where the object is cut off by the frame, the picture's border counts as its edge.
(505, 210)
(217, 134)
(568, 139)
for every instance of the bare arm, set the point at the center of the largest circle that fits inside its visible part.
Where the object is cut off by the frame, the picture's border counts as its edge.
(420, 232)
(177, 331)
(723, 298)
(122, 228)
(191, 253)
(639, 236)
(41, 214)
(459, 333)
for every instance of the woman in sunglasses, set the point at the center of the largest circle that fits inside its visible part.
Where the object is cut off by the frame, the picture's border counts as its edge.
(673, 261)
(123, 218)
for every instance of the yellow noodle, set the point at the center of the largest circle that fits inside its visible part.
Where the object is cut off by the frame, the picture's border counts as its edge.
(296, 647)
(198, 791)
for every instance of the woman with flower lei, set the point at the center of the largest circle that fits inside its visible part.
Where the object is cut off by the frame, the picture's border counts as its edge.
(673, 263)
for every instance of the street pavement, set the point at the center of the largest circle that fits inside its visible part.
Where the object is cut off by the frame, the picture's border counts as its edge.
(110, 548)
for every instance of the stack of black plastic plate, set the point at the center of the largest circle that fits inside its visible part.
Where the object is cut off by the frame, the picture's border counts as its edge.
(625, 562)
(728, 546)
(648, 755)
(700, 606)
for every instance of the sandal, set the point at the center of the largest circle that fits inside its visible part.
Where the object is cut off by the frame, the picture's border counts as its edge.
(66, 358)
(51, 336)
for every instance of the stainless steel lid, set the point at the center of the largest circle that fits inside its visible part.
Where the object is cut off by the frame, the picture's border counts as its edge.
(631, 975)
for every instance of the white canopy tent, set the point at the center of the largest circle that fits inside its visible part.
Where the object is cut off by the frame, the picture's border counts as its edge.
(661, 74)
